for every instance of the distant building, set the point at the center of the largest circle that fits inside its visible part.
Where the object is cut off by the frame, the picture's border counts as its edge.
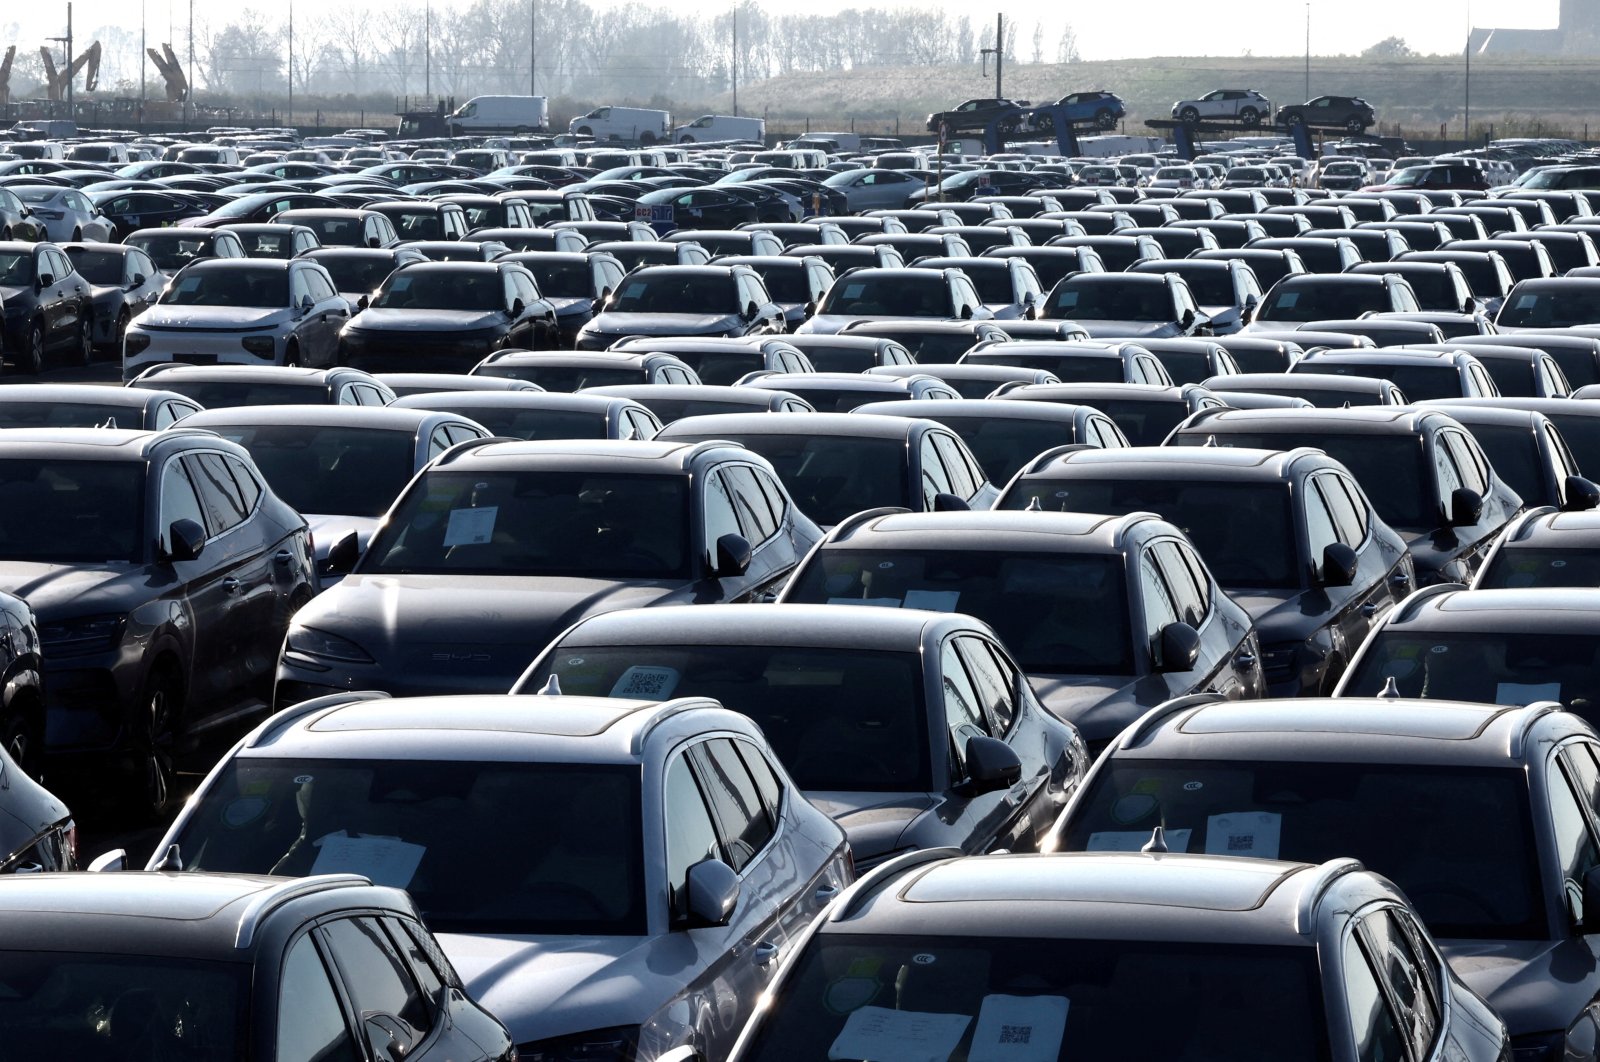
(1577, 33)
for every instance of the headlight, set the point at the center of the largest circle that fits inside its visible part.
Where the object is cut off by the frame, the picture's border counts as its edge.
(308, 641)
(135, 343)
(601, 1045)
(85, 634)
(260, 346)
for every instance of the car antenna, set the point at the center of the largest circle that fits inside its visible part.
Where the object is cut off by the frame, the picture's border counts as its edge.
(1390, 691)
(1034, 506)
(1211, 440)
(1157, 844)
(111, 422)
(172, 859)
(551, 687)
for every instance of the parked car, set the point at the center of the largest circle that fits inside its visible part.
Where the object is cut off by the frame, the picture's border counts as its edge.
(536, 414)
(710, 300)
(1246, 106)
(1351, 113)
(1544, 547)
(48, 306)
(217, 386)
(173, 248)
(92, 406)
(123, 283)
(66, 213)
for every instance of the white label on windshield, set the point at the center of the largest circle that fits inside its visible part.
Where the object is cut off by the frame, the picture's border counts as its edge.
(383, 860)
(933, 600)
(853, 291)
(470, 527)
(884, 1035)
(1244, 833)
(646, 682)
(1526, 692)
(1526, 302)
(1134, 840)
(1019, 1029)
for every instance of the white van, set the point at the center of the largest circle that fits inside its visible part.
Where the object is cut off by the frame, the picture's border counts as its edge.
(108, 152)
(639, 124)
(793, 158)
(829, 142)
(483, 115)
(209, 155)
(717, 127)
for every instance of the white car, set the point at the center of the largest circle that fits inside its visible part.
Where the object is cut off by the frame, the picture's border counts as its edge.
(67, 214)
(1179, 177)
(1246, 106)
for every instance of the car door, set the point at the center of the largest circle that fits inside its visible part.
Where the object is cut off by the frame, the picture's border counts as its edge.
(312, 1019)
(1225, 665)
(975, 823)
(79, 296)
(392, 1015)
(331, 313)
(1382, 578)
(201, 600)
(998, 684)
(774, 554)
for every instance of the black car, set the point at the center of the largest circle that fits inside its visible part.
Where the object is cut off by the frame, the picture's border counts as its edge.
(130, 209)
(48, 305)
(796, 283)
(1290, 536)
(21, 717)
(1325, 296)
(161, 568)
(215, 386)
(1529, 453)
(123, 283)
(1425, 475)
(698, 208)
(709, 300)
(974, 115)
(359, 272)
(92, 406)
(1005, 436)
(540, 534)
(446, 316)
(1351, 113)
(723, 361)
(417, 219)
(536, 414)
(17, 220)
(203, 966)
(577, 370)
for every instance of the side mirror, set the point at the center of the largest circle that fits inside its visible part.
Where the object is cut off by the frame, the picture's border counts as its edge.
(138, 281)
(945, 502)
(1179, 648)
(809, 309)
(733, 556)
(46, 279)
(1187, 320)
(966, 311)
(516, 309)
(751, 312)
(374, 242)
(1339, 565)
(1582, 495)
(387, 1037)
(342, 556)
(1469, 305)
(1465, 507)
(305, 304)
(363, 302)
(187, 540)
(598, 306)
(992, 765)
(713, 893)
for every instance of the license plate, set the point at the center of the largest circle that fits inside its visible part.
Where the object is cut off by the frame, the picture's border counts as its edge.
(195, 359)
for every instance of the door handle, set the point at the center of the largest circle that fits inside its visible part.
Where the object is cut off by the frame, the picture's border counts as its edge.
(1399, 579)
(825, 893)
(1370, 608)
(230, 585)
(1244, 659)
(283, 556)
(764, 954)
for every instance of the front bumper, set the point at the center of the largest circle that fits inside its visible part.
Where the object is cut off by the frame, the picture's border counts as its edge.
(416, 351)
(196, 348)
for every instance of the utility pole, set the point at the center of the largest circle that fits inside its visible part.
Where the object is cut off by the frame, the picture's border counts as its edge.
(291, 62)
(427, 49)
(998, 51)
(188, 97)
(1308, 51)
(734, 59)
(533, 47)
(144, 57)
(1467, 116)
(72, 112)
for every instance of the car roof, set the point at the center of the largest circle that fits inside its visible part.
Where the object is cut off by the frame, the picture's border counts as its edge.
(943, 410)
(233, 373)
(49, 394)
(1522, 610)
(817, 626)
(1229, 463)
(1298, 381)
(83, 444)
(1383, 356)
(1007, 531)
(1395, 420)
(496, 399)
(860, 425)
(632, 455)
(378, 418)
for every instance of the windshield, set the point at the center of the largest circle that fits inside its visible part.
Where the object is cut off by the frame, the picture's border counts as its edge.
(1322, 302)
(1581, 433)
(123, 1008)
(36, 193)
(1111, 302)
(16, 268)
(786, 285)
(892, 296)
(1513, 453)
(1058, 998)
(1520, 566)
(98, 267)
(1211, 287)
(514, 423)
(270, 244)
(478, 291)
(669, 292)
(418, 225)
(1144, 422)
(424, 826)
(927, 348)
(72, 510)
(172, 252)
(219, 394)
(356, 274)
(1493, 668)
(829, 476)
(260, 288)
(543, 522)
(54, 414)
(1560, 308)
(1058, 613)
(1418, 382)
(561, 280)
(838, 719)
(1246, 532)
(722, 367)
(844, 399)
(1003, 446)
(1456, 840)
(327, 470)
(1390, 468)
(568, 378)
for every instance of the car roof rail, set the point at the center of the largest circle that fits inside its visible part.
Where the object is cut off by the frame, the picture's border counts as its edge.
(1531, 714)
(1522, 525)
(855, 520)
(283, 718)
(664, 711)
(157, 368)
(1146, 723)
(463, 447)
(1322, 879)
(274, 897)
(867, 885)
(1041, 460)
(1408, 609)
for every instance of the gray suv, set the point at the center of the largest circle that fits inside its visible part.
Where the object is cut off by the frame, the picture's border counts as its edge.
(613, 878)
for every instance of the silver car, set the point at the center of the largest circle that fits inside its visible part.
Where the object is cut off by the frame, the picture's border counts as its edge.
(240, 311)
(66, 213)
(612, 878)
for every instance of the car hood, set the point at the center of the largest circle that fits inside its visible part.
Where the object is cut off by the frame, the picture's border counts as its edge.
(1100, 706)
(56, 591)
(29, 810)
(14, 295)
(1130, 329)
(474, 633)
(389, 320)
(1283, 615)
(665, 324)
(566, 306)
(874, 823)
(545, 986)
(210, 318)
(1535, 985)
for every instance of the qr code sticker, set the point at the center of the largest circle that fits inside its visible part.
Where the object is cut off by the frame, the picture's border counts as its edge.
(1241, 842)
(1016, 1034)
(646, 683)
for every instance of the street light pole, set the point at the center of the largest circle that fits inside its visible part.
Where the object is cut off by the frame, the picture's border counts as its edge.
(734, 59)
(1467, 105)
(1308, 51)
(427, 49)
(533, 47)
(291, 62)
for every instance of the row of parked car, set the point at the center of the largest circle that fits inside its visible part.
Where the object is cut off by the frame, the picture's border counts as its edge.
(796, 625)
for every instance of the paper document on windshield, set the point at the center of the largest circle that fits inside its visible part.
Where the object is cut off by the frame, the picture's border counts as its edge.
(1019, 1029)
(1244, 833)
(879, 1034)
(383, 860)
(1526, 692)
(470, 527)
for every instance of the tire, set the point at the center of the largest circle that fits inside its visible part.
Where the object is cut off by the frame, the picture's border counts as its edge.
(22, 741)
(584, 130)
(291, 354)
(647, 138)
(153, 742)
(1105, 119)
(1355, 125)
(1250, 116)
(1188, 116)
(30, 359)
(121, 333)
(1045, 123)
(1294, 118)
(83, 353)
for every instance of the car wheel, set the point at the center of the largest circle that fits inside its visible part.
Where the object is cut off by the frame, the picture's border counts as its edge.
(153, 744)
(1009, 125)
(291, 354)
(1189, 115)
(584, 130)
(1045, 123)
(1294, 118)
(686, 139)
(21, 739)
(1250, 116)
(1105, 119)
(121, 333)
(1355, 125)
(84, 352)
(30, 359)
(647, 138)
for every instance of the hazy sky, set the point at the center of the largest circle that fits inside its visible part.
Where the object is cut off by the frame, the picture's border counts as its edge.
(1160, 27)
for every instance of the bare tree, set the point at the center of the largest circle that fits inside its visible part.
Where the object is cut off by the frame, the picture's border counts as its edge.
(1067, 47)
